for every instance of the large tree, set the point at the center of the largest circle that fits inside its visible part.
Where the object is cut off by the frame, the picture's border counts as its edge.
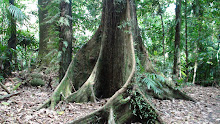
(110, 65)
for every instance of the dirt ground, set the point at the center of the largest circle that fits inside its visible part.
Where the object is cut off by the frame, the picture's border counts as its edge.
(21, 109)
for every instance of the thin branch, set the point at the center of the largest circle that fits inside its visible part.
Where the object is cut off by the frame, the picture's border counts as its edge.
(5, 97)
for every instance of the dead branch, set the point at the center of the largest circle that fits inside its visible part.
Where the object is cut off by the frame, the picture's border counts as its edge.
(5, 97)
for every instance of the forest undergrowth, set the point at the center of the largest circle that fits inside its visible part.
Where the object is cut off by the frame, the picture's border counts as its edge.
(22, 107)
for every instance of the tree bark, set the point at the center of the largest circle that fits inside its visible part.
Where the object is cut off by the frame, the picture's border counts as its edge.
(66, 36)
(43, 30)
(186, 42)
(176, 65)
(194, 71)
(163, 34)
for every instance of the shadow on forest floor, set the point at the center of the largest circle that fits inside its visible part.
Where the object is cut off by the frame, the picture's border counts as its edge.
(21, 108)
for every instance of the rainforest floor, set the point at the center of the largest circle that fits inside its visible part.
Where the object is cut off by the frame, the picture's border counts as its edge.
(21, 109)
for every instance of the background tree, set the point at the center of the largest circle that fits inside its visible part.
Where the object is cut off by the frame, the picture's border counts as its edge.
(11, 54)
(176, 65)
(186, 41)
(43, 30)
(9, 32)
(66, 36)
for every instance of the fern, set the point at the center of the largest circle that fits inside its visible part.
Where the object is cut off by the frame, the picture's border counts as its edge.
(152, 81)
(17, 13)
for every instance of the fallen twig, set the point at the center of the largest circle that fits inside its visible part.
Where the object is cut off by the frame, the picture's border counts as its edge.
(4, 97)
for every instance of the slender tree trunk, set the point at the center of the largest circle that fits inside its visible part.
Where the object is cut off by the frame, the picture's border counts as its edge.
(194, 72)
(176, 65)
(66, 36)
(43, 30)
(163, 32)
(198, 13)
(218, 50)
(11, 54)
(186, 42)
(163, 41)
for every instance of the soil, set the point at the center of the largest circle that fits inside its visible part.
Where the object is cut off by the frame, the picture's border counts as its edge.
(21, 109)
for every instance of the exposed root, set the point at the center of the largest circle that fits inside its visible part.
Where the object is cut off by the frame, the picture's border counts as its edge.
(125, 107)
(108, 113)
(84, 94)
(111, 119)
(168, 93)
(61, 92)
(45, 105)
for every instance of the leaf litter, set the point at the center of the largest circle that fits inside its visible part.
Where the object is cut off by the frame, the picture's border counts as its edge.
(21, 109)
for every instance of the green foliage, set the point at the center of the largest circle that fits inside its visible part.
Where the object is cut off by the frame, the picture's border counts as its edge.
(26, 49)
(85, 19)
(17, 86)
(16, 13)
(1, 77)
(26, 39)
(3, 58)
(203, 30)
(142, 109)
(152, 81)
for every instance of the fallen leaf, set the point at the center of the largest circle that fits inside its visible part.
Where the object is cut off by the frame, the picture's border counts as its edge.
(5, 103)
(60, 112)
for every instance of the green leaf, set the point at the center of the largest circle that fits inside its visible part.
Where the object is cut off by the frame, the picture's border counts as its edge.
(5, 103)
(60, 112)
(65, 44)
(16, 86)
(17, 13)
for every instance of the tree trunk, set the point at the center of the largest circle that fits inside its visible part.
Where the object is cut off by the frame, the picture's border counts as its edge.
(194, 72)
(163, 33)
(43, 30)
(107, 65)
(186, 42)
(198, 12)
(163, 41)
(66, 36)
(176, 65)
(11, 54)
